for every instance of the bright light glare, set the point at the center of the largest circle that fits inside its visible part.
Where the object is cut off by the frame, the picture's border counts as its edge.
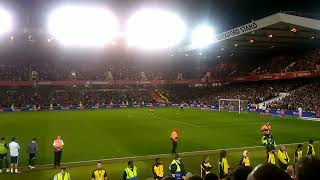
(203, 36)
(5, 22)
(154, 29)
(82, 26)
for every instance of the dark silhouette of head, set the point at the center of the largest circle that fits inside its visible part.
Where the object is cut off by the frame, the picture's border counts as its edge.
(239, 173)
(268, 172)
(210, 176)
(307, 168)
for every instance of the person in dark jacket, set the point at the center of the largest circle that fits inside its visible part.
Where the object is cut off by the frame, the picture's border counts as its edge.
(32, 150)
(177, 168)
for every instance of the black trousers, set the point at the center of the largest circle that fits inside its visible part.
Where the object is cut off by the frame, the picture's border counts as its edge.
(283, 166)
(174, 147)
(32, 159)
(4, 157)
(57, 158)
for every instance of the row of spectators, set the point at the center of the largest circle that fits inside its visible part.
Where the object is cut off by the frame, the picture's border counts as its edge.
(302, 93)
(43, 98)
(309, 61)
(290, 62)
(306, 97)
(88, 71)
(254, 92)
(140, 71)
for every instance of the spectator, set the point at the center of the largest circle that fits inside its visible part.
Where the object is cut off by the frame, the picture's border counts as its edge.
(239, 173)
(32, 150)
(268, 172)
(210, 176)
(223, 164)
(307, 168)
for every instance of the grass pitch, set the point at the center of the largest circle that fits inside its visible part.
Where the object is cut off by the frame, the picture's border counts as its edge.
(104, 134)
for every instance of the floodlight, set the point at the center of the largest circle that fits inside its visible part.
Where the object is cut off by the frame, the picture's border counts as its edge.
(82, 26)
(202, 36)
(5, 22)
(154, 29)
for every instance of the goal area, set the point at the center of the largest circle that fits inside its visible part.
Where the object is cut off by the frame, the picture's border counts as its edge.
(233, 105)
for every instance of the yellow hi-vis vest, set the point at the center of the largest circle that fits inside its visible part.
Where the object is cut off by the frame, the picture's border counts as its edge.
(3, 149)
(158, 170)
(131, 175)
(311, 150)
(298, 155)
(66, 176)
(271, 158)
(177, 164)
(245, 161)
(224, 166)
(203, 170)
(283, 157)
(178, 173)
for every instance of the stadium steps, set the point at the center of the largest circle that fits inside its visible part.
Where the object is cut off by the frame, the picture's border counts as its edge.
(155, 96)
(162, 96)
(278, 98)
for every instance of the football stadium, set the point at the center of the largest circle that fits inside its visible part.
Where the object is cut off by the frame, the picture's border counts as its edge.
(162, 90)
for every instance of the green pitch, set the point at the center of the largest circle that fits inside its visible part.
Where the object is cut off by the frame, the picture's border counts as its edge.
(105, 134)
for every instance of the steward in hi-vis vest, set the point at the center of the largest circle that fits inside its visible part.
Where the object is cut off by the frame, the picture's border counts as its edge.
(130, 173)
(298, 153)
(63, 175)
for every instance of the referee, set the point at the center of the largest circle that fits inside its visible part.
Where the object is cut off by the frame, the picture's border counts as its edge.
(99, 173)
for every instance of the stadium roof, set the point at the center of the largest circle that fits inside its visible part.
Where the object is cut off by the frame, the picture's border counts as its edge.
(279, 31)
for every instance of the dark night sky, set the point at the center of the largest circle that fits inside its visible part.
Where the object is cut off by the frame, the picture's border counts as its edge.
(223, 14)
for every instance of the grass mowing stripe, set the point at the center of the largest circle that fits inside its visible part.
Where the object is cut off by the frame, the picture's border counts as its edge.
(148, 157)
(189, 124)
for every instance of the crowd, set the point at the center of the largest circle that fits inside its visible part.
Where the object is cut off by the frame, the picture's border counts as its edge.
(72, 97)
(306, 97)
(288, 62)
(254, 92)
(90, 71)
(302, 94)
(101, 71)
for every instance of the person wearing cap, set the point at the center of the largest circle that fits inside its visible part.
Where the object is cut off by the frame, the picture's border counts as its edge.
(58, 146)
(32, 150)
(62, 175)
(245, 161)
(4, 154)
(174, 140)
(130, 172)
